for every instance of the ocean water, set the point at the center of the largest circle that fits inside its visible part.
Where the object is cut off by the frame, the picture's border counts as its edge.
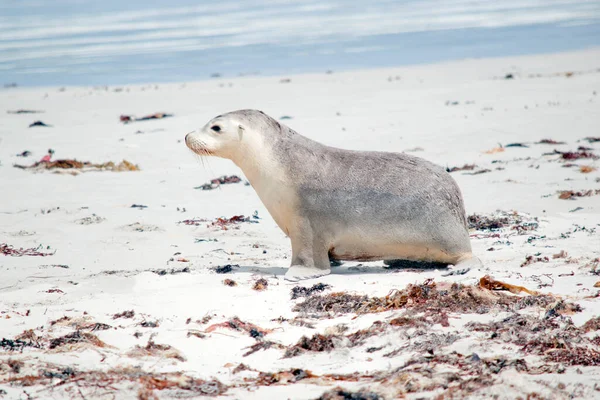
(93, 42)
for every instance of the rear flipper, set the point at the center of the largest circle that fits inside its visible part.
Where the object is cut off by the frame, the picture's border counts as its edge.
(471, 262)
(464, 266)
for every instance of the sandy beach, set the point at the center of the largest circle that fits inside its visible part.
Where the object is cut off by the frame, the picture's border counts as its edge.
(125, 290)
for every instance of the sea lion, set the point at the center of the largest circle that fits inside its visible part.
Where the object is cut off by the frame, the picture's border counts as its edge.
(342, 204)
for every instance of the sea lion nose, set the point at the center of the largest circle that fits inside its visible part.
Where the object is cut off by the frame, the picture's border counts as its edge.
(187, 137)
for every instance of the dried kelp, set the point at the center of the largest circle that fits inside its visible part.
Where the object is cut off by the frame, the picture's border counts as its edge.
(534, 259)
(107, 382)
(229, 282)
(222, 180)
(260, 284)
(124, 314)
(558, 341)
(237, 324)
(9, 250)
(156, 350)
(591, 139)
(501, 219)
(75, 340)
(226, 223)
(317, 342)
(489, 283)
(586, 169)
(300, 291)
(572, 195)
(574, 155)
(263, 345)
(466, 167)
(16, 344)
(79, 166)
(282, 377)
(549, 141)
(426, 297)
(129, 118)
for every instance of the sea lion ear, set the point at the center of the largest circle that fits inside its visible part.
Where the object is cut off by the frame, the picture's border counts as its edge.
(240, 131)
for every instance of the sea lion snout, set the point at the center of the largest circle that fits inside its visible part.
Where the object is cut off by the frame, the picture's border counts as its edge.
(187, 142)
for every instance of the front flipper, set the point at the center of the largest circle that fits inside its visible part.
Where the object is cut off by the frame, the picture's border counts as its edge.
(310, 256)
(298, 273)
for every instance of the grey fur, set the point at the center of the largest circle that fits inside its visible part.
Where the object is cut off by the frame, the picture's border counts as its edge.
(358, 205)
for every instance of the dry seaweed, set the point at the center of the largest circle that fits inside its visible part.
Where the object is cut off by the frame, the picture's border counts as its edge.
(21, 111)
(76, 338)
(479, 172)
(327, 342)
(534, 259)
(339, 393)
(39, 123)
(9, 250)
(129, 118)
(124, 314)
(466, 167)
(591, 139)
(489, 283)
(172, 271)
(222, 180)
(80, 166)
(519, 222)
(105, 382)
(574, 155)
(229, 282)
(156, 350)
(335, 303)
(427, 297)
(494, 150)
(300, 291)
(557, 340)
(317, 342)
(591, 325)
(260, 284)
(225, 223)
(549, 141)
(586, 169)
(97, 326)
(238, 325)
(194, 222)
(572, 195)
(282, 377)
(197, 334)
(17, 344)
(516, 145)
(262, 345)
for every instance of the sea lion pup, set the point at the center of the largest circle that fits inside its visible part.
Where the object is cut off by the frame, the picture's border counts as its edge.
(342, 204)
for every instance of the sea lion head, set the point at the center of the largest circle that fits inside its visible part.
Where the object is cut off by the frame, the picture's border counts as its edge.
(229, 135)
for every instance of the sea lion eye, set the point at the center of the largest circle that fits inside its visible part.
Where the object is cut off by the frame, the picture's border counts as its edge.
(216, 128)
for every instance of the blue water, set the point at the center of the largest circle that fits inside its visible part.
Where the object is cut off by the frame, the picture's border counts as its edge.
(90, 42)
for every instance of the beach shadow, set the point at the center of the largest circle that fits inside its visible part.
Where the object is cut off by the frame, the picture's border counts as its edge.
(396, 266)
(355, 269)
(246, 269)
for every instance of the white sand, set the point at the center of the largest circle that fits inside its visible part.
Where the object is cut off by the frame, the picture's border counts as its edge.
(110, 262)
